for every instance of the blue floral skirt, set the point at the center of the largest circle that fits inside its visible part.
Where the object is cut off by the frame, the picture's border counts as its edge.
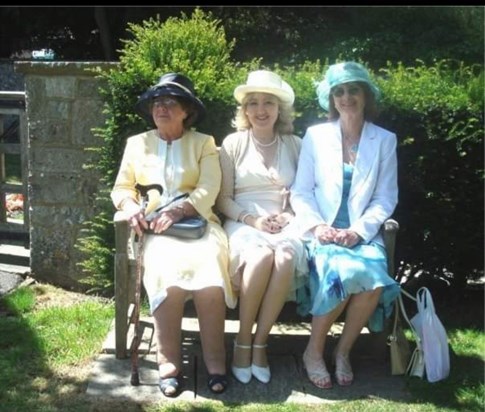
(337, 272)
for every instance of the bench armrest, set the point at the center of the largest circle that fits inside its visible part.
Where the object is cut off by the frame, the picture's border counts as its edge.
(389, 233)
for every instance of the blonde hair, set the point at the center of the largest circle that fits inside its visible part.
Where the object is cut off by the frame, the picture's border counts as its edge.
(283, 124)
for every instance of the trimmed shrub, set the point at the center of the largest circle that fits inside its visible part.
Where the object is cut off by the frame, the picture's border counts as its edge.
(435, 110)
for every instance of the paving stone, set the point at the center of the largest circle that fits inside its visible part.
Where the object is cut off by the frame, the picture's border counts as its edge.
(110, 377)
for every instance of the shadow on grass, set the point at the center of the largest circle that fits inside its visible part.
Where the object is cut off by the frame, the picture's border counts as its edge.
(21, 354)
(27, 379)
(462, 390)
(462, 315)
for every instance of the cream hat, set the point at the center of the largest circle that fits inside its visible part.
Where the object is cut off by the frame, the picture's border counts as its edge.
(264, 81)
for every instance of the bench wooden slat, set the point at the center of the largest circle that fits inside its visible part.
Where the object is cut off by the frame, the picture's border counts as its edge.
(125, 275)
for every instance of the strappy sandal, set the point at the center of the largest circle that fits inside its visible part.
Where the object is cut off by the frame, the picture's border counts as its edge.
(317, 372)
(261, 373)
(343, 370)
(170, 386)
(243, 375)
(217, 379)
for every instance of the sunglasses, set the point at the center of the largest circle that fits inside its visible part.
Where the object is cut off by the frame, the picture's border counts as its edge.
(166, 102)
(351, 90)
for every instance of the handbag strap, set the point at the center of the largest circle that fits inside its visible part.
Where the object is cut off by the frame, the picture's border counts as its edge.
(425, 300)
(407, 294)
(396, 317)
(182, 196)
(405, 315)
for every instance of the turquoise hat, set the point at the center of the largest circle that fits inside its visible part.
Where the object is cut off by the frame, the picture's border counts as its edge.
(343, 73)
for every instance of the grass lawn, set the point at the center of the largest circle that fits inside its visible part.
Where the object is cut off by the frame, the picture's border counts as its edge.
(49, 337)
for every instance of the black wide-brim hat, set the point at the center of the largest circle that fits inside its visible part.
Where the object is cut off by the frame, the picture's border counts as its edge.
(170, 84)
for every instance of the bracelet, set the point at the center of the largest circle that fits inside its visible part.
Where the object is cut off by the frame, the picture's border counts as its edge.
(242, 217)
(182, 209)
(245, 217)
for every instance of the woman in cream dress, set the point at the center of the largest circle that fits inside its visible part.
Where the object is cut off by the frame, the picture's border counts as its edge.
(267, 259)
(181, 161)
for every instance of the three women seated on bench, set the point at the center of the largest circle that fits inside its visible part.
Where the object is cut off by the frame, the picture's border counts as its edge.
(342, 188)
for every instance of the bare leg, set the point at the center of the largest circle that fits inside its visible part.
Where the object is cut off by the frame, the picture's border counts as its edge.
(211, 311)
(253, 285)
(359, 310)
(168, 332)
(313, 355)
(273, 300)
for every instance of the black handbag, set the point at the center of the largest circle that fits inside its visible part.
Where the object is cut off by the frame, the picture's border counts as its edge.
(187, 228)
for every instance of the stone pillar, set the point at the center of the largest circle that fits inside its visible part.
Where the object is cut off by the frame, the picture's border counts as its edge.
(63, 105)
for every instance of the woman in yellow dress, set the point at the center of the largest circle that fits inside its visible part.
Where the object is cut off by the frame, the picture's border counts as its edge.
(181, 160)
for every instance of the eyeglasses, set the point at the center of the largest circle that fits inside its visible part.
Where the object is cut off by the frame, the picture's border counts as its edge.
(339, 91)
(167, 102)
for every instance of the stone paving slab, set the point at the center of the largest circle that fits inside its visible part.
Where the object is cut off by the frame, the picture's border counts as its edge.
(12, 275)
(110, 377)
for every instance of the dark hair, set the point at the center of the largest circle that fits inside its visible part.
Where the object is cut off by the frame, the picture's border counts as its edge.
(371, 111)
(187, 106)
(191, 111)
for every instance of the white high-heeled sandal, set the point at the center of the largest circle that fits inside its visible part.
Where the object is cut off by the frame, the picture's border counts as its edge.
(261, 373)
(243, 375)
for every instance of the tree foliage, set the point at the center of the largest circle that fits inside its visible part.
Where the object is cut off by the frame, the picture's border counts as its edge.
(434, 104)
(195, 46)
(276, 34)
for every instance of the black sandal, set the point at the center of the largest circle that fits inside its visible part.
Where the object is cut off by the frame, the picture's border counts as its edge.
(170, 386)
(216, 379)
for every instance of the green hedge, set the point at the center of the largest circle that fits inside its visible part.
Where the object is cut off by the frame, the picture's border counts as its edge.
(436, 112)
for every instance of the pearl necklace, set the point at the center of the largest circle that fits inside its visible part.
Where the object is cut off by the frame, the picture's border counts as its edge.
(258, 143)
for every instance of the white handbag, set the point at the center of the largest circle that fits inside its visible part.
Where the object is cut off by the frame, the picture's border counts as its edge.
(415, 366)
(432, 350)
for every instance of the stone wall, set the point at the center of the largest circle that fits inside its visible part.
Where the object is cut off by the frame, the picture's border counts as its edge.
(9, 79)
(63, 105)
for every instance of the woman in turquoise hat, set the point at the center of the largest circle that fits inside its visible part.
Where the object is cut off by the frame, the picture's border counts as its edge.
(344, 190)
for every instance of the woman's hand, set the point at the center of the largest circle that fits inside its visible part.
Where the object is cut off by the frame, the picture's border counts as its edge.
(282, 219)
(136, 218)
(347, 238)
(265, 224)
(138, 223)
(324, 233)
(165, 219)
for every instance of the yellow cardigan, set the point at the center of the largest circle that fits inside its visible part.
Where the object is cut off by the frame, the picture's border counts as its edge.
(197, 170)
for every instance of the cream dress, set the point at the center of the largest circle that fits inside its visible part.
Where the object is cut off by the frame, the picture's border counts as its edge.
(248, 186)
(189, 164)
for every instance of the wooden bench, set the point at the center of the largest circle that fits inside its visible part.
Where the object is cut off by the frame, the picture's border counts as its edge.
(125, 277)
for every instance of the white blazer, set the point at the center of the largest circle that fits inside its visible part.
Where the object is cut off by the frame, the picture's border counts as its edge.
(317, 190)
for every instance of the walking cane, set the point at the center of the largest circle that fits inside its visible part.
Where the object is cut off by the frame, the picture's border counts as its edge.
(135, 343)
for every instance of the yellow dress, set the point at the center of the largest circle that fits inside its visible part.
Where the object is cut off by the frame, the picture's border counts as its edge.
(187, 165)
